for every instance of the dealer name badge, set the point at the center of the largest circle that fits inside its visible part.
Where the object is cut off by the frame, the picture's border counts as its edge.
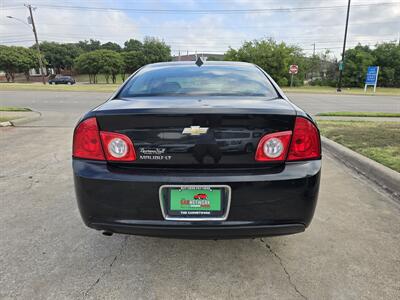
(153, 154)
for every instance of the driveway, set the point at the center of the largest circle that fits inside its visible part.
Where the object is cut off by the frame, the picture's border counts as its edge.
(350, 251)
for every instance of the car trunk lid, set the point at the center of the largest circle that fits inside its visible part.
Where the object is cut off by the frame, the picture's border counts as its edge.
(183, 132)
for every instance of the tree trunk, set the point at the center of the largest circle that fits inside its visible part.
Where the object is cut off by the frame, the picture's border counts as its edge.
(27, 76)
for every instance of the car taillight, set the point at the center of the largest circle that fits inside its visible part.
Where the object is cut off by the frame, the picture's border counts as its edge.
(117, 147)
(86, 142)
(302, 144)
(90, 143)
(305, 141)
(273, 147)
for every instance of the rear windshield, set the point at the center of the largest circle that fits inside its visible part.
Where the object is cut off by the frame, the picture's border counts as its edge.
(211, 80)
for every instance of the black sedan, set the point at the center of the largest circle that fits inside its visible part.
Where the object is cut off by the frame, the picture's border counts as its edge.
(62, 80)
(159, 159)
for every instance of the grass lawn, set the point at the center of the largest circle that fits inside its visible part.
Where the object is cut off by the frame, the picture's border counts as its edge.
(379, 141)
(109, 88)
(349, 91)
(13, 108)
(359, 114)
(5, 119)
(8, 113)
(84, 78)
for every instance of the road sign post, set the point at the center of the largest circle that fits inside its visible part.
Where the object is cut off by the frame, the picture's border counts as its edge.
(372, 77)
(293, 69)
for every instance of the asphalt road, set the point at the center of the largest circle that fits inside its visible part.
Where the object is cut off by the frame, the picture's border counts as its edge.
(65, 108)
(350, 251)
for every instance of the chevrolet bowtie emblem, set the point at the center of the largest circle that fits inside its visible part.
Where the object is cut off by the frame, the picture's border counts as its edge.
(195, 130)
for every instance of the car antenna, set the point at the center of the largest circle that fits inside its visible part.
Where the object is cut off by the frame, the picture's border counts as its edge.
(199, 61)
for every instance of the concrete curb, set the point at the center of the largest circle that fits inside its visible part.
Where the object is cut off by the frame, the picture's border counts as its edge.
(5, 124)
(385, 177)
(34, 115)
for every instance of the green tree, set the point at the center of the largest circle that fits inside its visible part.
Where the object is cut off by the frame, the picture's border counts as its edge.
(111, 46)
(89, 63)
(387, 57)
(133, 60)
(15, 59)
(155, 50)
(323, 69)
(137, 54)
(90, 45)
(107, 62)
(60, 56)
(356, 63)
(275, 58)
(133, 45)
(111, 64)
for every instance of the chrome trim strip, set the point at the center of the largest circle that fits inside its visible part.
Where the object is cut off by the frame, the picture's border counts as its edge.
(190, 219)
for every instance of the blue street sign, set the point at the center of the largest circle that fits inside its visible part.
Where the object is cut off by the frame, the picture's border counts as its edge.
(372, 75)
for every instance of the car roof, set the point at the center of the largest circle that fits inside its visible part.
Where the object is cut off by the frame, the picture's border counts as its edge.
(206, 63)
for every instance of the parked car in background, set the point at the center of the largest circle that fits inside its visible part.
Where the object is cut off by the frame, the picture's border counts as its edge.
(62, 80)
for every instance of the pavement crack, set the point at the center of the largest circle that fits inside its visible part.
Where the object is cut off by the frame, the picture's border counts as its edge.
(108, 270)
(284, 269)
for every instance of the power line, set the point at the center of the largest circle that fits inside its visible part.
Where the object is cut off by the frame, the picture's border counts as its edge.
(217, 27)
(222, 38)
(213, 11)
(227, 41)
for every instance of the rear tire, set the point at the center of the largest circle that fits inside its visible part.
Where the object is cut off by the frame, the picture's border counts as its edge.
(69, 83)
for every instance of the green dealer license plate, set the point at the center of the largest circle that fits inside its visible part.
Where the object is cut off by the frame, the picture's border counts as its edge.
(195, 202)
(195, 199)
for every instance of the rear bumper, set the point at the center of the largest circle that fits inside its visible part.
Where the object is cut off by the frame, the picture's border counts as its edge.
(262, 204)
(201, 232)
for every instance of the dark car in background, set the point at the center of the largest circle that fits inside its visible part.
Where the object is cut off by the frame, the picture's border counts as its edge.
(131, 176)
(62, 80)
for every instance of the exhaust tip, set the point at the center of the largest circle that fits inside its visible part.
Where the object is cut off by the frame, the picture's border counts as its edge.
(107, 233)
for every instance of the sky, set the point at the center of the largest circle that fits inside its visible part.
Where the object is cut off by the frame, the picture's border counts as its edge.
(205, 25)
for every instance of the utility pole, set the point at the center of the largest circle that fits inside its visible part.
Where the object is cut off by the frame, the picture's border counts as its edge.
(339, 88)
(37, 42)
(313, 52)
